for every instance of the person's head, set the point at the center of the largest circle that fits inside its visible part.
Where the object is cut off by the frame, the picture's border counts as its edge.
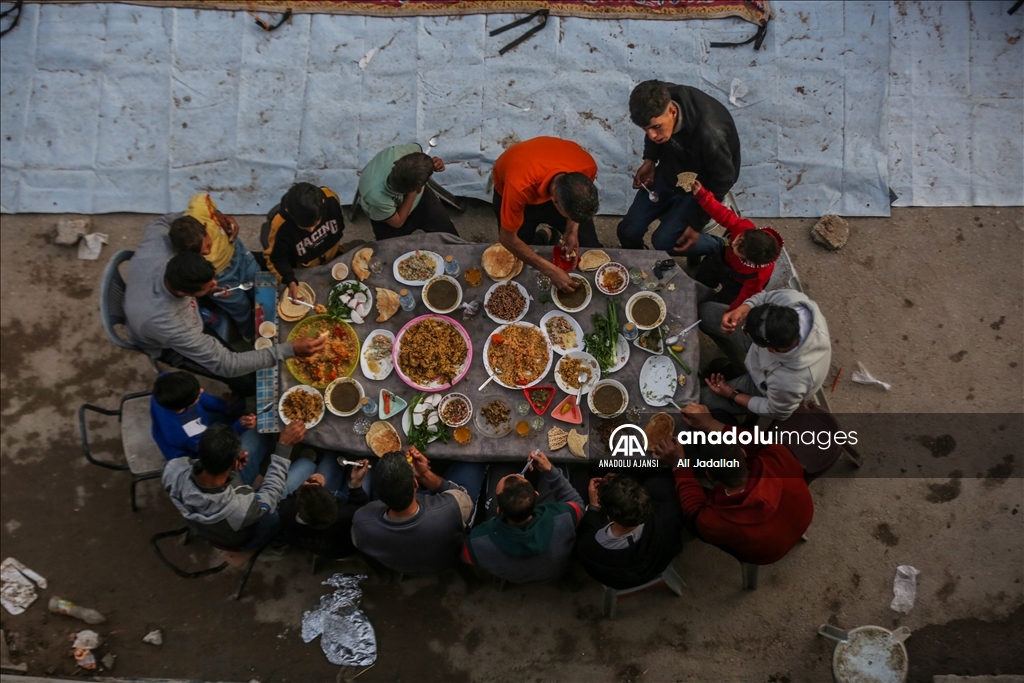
(730, 476)
(188, 234)
(176, 390)
(394, 481)
(776, 328)
(624, 501)
(190, 274)
(317, 506)
(219, 447)
(575, 196)
(411, 172)
(651, 107)
(516, 498)
(757, 247)
(303, 205)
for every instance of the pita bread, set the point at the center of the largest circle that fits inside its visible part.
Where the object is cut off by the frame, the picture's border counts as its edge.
(661, 426)
(499, 263)
(387, 304)
(685, 181)
(557, 438)
(576, 443)
(382, 439)
(361, 263)
(290, 312)
(593, 259)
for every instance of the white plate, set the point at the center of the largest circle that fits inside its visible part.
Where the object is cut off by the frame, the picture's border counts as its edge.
(490, 371)
(398, 404)
(621, 354)
(458, 299)
(658, 377)
(617, 385)
(309, 390)
(431, 401)
(594, 378)
(583, 283)
(575, 326)
(639, 295)
(439, 270)
(330, 388)
(623, 271)
(450, 397)
(362, 309)
(501, 430)
(385, 365)
(522, 290)
(659, 352)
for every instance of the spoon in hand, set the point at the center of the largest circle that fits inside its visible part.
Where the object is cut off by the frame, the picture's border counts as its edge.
(651, 194)
(245, 287)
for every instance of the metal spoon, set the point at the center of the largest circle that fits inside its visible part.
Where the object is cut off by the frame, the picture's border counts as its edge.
(245, 287)
(651, 194)
(343, 461)
(581, 378)
(669, 400)
(266, 407)
(432, 143)
(301, 302)
(497, 371)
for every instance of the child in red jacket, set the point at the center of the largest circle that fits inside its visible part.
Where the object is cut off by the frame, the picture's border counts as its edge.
(745, 262)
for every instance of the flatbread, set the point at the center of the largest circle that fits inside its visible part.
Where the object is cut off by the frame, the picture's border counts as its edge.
(382, 439)
(577, 442)
(361, 263)
(685, 180)
(593, 259)
(661, 426)
(557, 438)
(387, 304)
(290, 312)
(499, 263)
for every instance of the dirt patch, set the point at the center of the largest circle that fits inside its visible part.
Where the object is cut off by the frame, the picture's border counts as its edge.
(884, 533)
(940, 446)
(943, 493)
(967, 647)
(998, 474)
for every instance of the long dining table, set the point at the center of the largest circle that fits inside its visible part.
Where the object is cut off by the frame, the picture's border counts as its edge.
(338, 433)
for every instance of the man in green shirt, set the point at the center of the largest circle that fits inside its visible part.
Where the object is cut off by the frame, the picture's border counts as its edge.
(394, 194)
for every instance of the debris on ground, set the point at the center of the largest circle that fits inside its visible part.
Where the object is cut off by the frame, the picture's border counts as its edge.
(91, 245)
(831, 232)
(904, 588)
(17, 592)
(108, 661)
(85, 642)
(154, 637)
(862, 376)
(70, 609)
(5, 657)
(70, 230)
(347, 637)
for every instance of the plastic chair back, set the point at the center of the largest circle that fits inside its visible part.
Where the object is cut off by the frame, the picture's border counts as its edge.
(112, 290)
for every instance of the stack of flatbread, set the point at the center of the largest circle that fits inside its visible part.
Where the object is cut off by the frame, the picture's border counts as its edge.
(361, 263)
(661, 426)
(557, 438)
(685, 180)
(290, 312)
(593, 259)
(387, 304)
(577, 442)
(382, 439)
(499, 263)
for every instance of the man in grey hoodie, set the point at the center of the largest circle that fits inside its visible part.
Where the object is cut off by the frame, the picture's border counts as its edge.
(215, 493)
(788, 351)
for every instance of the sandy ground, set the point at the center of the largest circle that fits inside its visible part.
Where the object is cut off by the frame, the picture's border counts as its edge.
(929, 300)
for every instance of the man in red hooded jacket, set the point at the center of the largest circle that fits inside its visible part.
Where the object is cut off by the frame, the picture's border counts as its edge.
(758, 507)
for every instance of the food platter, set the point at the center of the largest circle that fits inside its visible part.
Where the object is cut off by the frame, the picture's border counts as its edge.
(306, 390)
(484, 426)
(389, 404)
(621, 354)
(638, 299)
(431, 355)
(499, 263)
(338, 358)
(351, 301)
(586, 301)
(658, 377)
(651, 341)
(585, 358)
(337, 385)
(407, 259)
(506, 284)
(565, 347)
(374, 361)
(290, 312)
(424, 412)
(612, 278)
(599, 387)
(437, 280)
(516, 354)
(448, 403)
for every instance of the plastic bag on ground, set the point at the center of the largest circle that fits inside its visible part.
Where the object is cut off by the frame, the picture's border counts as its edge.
(862, 376)
(904, 588)
(347, 637)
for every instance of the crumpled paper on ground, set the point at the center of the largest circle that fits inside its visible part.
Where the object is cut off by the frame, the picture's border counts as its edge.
(904, 588)
(16, 591)
(862, 376)
(90, 246)
(347, 637)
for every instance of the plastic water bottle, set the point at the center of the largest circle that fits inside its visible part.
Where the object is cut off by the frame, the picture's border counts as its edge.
(62, 606)
(407, 300)
(451, 266)
(369, 406)
(630, 332)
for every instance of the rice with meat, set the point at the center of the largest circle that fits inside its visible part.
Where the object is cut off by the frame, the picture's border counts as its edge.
(522, 357)
(302, 406)
(432, 350)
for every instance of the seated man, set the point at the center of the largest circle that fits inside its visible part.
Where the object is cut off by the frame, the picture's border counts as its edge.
(687, 130)
(630, 533)
(394, 194)
(215, 493)
(164, 320)
(306, 232)
(756, 511)
(411, 532)
(551, 181)
(788, 351)
(315, 519)
(204, 230)
(528, 541)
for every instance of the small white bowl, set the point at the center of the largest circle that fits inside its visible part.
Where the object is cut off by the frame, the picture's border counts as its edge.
(339, 271)
(263, 343)
(267, 329)
(451, 397)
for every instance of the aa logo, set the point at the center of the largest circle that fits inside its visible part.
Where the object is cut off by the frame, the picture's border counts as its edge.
(626, 443)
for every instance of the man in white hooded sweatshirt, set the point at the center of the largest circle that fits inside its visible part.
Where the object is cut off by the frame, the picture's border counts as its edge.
(788, 350)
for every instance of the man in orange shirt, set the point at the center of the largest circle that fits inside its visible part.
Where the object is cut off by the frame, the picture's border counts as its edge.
(551, 181)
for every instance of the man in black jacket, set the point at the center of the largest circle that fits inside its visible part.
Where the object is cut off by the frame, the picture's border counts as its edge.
(630, 532)
(686, 130)
(318, 516)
